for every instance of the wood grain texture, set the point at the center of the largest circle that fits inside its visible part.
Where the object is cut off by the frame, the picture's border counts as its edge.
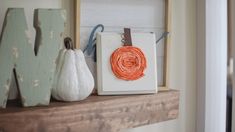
(77, 23)
(168, 11)
(96, 114)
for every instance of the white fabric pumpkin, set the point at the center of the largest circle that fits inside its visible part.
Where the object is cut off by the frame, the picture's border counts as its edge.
(73, 80)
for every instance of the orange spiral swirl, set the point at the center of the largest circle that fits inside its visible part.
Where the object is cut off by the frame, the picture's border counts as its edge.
(128, 63)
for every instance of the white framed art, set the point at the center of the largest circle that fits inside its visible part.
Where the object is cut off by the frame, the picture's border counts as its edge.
(108, 83)
(158, 12)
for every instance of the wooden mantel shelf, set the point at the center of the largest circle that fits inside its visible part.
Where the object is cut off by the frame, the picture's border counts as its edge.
(96, 114)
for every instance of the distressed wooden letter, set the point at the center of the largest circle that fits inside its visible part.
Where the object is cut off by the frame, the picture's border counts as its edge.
(33, 69)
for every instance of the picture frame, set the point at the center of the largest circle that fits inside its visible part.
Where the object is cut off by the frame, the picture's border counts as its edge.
(168, 15)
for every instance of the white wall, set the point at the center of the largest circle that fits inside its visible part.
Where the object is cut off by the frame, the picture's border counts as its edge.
(212, 65)
(182, 59)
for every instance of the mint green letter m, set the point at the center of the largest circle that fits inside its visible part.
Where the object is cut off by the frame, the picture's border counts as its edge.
(31, 64)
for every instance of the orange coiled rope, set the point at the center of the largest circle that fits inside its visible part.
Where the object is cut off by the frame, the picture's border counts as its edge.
(128, 63)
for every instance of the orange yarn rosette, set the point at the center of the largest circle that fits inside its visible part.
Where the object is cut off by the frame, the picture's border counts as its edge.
(128, 63)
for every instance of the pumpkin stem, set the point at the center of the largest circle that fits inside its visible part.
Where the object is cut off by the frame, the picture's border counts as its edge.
(68, 43)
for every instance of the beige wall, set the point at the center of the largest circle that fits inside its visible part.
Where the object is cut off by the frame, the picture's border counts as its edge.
(183, 57)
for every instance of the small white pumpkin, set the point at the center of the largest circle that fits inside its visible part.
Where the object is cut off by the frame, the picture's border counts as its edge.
(73, 80)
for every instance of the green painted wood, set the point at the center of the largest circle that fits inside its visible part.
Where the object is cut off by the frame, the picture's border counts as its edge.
(34, 73)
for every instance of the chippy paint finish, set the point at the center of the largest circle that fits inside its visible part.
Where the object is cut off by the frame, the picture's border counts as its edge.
(34, 69)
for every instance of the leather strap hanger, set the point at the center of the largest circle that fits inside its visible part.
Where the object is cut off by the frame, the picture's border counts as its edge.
(127, 37)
